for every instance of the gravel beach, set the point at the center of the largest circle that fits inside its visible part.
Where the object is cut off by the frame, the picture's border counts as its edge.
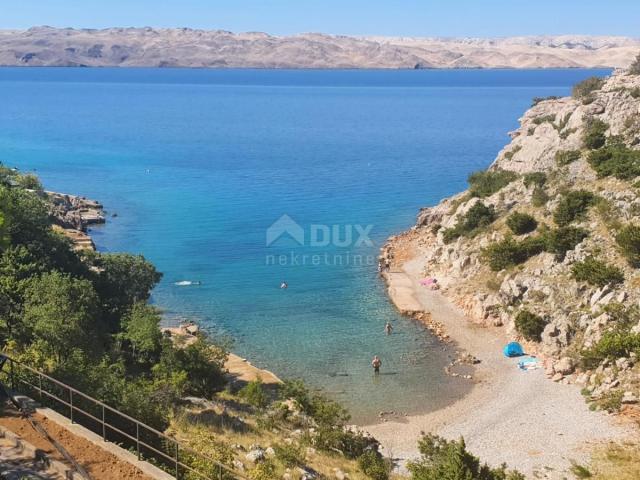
(521, 418)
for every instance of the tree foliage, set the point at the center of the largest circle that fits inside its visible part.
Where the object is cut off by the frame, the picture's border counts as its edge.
(628, 239)
(510, 252)
(486, 183)
(595, 134)
(573, 206)
(615, 160)
(449, 459)
(521, 223)
(586, 87)
(84, 318)
(565, 157)
(477, 217)
(596, 272)
(530, 325)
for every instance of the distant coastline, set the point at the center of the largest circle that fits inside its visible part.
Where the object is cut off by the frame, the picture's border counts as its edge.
(188, 48)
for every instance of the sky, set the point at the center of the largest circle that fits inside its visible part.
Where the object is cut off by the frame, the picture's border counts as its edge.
(478, 18)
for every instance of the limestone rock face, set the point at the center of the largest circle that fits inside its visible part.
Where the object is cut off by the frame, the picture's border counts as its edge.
(576, 314)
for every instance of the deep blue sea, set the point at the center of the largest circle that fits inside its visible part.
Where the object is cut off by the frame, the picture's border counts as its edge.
(199, 164)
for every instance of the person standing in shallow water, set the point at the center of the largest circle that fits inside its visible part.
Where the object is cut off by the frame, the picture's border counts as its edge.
(376, 363)
(388, 328)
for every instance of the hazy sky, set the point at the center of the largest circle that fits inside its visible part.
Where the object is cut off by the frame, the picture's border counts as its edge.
(358, 17)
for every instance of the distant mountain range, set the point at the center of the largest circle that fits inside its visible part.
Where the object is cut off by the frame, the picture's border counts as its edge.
(151, 47)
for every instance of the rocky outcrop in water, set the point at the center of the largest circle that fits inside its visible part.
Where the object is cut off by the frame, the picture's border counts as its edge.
(72, 211)
(72, 215)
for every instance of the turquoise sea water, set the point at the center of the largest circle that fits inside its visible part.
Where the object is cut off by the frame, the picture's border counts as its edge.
(198, 164)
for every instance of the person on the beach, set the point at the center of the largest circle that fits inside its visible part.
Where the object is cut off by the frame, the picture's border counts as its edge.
(388, 328)
(284, 285)
(376, 363)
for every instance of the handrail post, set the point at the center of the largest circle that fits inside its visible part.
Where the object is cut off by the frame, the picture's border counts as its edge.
(40, 385)
(177, 463)
(220, 471)
(104, 427)
(71, 404)
(138, 439)
(13, 378)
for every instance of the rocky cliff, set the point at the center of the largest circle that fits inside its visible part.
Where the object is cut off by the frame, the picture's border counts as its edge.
(546, 242)
(151, 47)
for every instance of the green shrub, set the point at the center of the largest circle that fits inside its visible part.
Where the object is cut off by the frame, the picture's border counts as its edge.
(352, 444)
(628, 239)
(509, 155)
(564, 121)
(564, 134)
(573, 206)
(596, 272)
(594, 135)
(614, 344)
(537, 100)
(615, 160)
(477, 217)
(326, 412)
(535, 178)
(634, 68)
(539, 197)
(442, 459)
(510, 252)
(253, 393)
(521, 223)
(29, 181)
(580, 471)
(265, 470)
(610, 401)
(586, 87)
(544, 119)
(290, 455)
(485, 183)
(374, 466)
(565, 157)
(563, 239)
(635, 92)
(530, 325)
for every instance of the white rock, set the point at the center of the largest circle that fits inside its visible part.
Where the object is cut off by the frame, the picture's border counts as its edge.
(565, 366)
(256, 455)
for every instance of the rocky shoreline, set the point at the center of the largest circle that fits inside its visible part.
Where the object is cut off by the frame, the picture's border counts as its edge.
(489, 273)
(574, 313)
(72, 215)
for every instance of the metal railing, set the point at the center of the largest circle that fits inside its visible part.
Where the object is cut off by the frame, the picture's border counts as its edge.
(114, 426)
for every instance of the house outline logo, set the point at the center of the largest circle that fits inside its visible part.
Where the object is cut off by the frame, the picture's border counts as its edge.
(285, 225)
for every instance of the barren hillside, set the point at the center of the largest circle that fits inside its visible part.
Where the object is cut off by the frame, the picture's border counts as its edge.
(149, 47)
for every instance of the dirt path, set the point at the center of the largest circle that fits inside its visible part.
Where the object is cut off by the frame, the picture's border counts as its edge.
(101, 465)
(512, 416)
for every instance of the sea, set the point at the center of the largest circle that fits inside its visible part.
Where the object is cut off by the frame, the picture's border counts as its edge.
(235, 182)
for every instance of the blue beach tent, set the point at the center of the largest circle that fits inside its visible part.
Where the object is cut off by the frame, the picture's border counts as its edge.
(513, 349)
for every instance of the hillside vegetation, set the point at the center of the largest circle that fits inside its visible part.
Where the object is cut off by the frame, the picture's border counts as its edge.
(84, 318)
(546, 242)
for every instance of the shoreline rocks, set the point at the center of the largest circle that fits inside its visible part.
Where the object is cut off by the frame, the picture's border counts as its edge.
(72, 215)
